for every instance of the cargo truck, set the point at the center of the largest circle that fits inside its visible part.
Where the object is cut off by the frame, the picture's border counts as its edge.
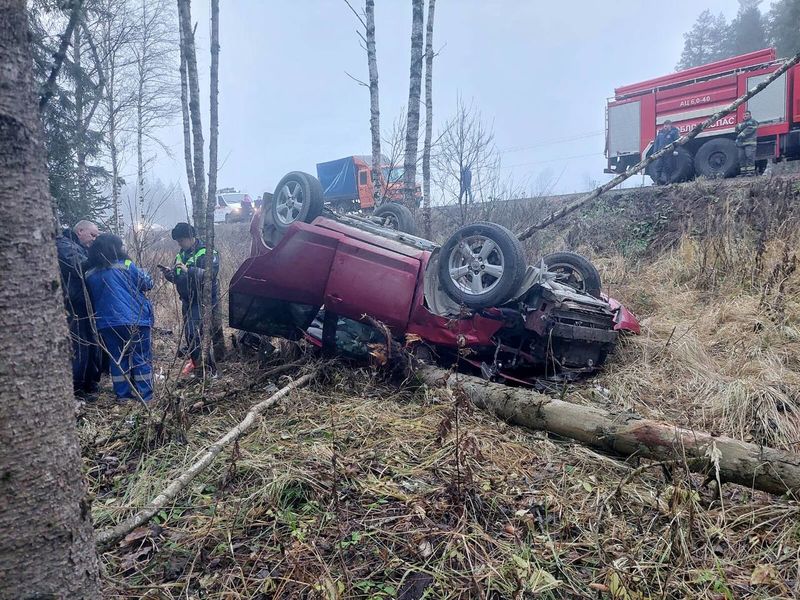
(347, 184)
(689, 97)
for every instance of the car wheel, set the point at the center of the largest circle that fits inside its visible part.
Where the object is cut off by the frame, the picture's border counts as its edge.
(717, 158)
(575, 271)
(227, 219)
(481, 265)
(298, 197)
(394, 215)
(684, 168)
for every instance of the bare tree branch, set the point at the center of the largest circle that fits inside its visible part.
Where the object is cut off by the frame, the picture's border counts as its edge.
(60, 55)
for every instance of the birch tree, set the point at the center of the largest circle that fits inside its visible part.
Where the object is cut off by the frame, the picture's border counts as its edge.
(212, 322)
(412, 121)
(46, 539)
(426, 150)
(198, 160)
(374, 100)
(154, 51)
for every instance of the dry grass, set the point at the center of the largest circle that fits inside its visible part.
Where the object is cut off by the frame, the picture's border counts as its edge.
(348, 490)
(354, 488)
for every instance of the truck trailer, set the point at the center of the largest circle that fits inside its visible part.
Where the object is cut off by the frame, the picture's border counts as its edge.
(689, 97)
(347, 184)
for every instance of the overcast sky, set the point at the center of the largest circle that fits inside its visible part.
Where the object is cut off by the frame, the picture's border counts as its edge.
(540, 72)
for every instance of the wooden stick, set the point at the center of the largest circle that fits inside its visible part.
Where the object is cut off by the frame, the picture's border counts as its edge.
(559, 214)
(624, 434)
(112, 534)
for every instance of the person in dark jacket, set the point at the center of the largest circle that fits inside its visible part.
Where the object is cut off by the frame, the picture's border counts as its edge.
(746, 141)
(187, 274)
(665, 166)
(72, 247)
(124, 316)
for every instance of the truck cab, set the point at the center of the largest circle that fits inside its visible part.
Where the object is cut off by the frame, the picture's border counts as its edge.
(347, 184)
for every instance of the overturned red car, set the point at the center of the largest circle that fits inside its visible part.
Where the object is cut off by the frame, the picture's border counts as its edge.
(474, 298)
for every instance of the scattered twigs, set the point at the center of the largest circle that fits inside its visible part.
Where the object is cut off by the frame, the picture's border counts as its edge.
(110, 535)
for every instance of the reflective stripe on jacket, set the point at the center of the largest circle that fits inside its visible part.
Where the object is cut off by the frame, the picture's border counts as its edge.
(747, 133)
(117, 294)
(190, 283)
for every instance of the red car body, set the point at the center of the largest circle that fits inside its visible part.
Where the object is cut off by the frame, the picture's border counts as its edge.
(353, 273)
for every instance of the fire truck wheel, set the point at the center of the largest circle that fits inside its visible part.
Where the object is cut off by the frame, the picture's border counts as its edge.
(394, 215)
(575, 271)
(298, 197)
(717, 158)
(481, 265)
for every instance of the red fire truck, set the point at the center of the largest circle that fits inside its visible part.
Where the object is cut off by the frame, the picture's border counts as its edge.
(689, 97)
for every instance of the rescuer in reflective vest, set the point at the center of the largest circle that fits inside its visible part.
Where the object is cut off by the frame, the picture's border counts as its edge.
(746, 141)
(187, 274)
(123, 315)
(665, 166)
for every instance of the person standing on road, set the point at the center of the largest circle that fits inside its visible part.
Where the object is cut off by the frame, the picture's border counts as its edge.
(665, 166)
(188, 274)
(72, 247)
(746, 141)
(124, 316)
(466, 184)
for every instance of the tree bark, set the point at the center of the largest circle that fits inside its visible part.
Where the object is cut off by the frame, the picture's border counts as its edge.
(211, 319)
(412, 121)
(188, 48)
(426, 150)
(187, 128)
(374, 101)
(746, 464)
(46, 538)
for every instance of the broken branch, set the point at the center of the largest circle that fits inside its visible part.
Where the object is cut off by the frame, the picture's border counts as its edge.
(112, 534)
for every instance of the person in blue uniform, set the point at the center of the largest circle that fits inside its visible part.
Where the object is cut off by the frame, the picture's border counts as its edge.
(666, 165)
(123, 315)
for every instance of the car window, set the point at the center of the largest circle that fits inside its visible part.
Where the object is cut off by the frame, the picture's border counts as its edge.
(393, 175)
(233, 198)
(220, 202)
(362, 178)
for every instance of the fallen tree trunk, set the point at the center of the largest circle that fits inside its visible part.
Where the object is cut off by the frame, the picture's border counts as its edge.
(112, 534)
(739, 462)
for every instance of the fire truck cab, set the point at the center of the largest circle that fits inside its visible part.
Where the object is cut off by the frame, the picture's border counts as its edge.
(689, 97)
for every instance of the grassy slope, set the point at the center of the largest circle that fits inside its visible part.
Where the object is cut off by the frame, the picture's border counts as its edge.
(355, 489)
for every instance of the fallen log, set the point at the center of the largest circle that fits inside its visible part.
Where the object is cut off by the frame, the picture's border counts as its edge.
(624, 434)
(112, 534)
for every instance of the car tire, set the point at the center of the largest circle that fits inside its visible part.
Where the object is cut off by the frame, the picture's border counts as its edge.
(575, 271)
(394, 215)
(298, 197)
(227, 219)
(717, 158)
(479, 275)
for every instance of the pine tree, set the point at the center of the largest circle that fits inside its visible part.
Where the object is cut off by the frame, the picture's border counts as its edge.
(784, 26)
(706, 42)
(747, 30)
